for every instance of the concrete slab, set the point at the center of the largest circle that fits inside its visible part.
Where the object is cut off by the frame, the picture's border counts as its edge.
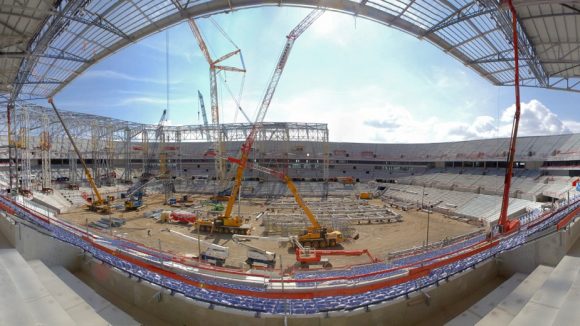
(547, 303)
(511, 305)
(40, 305)
(553, 292)
(466, 318)
(4, 244)
(489, 302)
(569, 314)
(101, 306)
(13, 310)
(80, 311)
(535, 314)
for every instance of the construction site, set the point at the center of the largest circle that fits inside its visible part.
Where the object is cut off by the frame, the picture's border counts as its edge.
(106, 221)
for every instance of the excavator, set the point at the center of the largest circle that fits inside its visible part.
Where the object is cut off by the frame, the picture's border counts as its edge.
(100, 204)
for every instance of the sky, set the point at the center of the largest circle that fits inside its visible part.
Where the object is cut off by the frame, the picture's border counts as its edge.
(368, 82)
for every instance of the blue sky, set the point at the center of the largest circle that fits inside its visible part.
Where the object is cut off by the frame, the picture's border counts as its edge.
(370, 83)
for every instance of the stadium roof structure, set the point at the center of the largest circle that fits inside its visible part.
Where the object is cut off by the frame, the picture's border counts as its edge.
(45, 44)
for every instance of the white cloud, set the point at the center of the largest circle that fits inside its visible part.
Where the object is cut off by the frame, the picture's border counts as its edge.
(380, 121)
(574, 126)
(160, 101)
(331, 27)
(535, 119)
(110, 74)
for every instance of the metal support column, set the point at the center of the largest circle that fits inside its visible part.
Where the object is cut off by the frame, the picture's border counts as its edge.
(45, 153)
(128, 171)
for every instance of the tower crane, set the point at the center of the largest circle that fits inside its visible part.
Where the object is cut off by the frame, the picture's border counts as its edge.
(226, 221)
(215, 66)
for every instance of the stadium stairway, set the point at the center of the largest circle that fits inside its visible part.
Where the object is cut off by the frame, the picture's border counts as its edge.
(547, 296)
(34, 294)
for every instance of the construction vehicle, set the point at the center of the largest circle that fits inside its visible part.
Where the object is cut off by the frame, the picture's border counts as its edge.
(183, 217)
(315, 235)
(255, 254)
(346, 180)
(100, 204)
(134, 202)
(306, 256)
(213, 254)
(227, 223)
(215, 66)
(365, 195)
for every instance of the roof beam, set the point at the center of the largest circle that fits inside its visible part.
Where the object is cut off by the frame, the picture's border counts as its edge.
(20, 33)
(457, 17)
(61, 56)
(526, 48)
(41, 41)
(98, 21)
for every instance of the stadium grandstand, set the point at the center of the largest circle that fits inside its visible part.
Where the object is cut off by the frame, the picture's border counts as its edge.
(105, 221)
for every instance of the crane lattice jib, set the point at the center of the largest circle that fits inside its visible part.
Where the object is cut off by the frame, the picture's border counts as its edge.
(84, 164)
(247, 146)
(286, 179)
(204, 115)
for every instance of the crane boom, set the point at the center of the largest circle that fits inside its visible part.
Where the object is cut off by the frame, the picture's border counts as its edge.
(204, 115)
(214, 68)
(86, 169)
(289, 183)
(307, 255)
(247, 146)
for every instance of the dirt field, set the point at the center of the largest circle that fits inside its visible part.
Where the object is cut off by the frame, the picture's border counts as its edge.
(378, 238)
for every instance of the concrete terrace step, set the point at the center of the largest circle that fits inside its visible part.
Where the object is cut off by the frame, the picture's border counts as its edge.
(101, 306)
(13, 309)
(476, 312)
(80, 311)
(546, 303)
(28, 292)
(569, 313)
(509, 307)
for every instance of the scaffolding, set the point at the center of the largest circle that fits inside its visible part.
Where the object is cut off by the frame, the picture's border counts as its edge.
(44, 147)
(23, 152)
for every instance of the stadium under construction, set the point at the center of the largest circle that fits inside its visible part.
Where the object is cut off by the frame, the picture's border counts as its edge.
(111, 222)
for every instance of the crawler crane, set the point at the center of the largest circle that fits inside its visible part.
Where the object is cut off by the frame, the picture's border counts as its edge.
(227, 223)
(99, 205)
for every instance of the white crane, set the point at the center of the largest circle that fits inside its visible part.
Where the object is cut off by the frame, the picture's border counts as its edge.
(215, 66)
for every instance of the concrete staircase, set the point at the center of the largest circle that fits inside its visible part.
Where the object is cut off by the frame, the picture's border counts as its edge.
(547, 296)
(34, 294)
(55, 200)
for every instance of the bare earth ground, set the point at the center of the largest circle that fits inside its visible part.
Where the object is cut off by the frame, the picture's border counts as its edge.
(378, 238)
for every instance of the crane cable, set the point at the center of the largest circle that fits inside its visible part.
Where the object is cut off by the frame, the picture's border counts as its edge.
(220, 29)
(167, 67)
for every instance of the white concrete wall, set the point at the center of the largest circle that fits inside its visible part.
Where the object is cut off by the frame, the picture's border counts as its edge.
(548, 250)
(34, 245)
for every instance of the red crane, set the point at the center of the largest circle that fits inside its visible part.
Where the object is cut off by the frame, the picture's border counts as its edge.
(504, 223)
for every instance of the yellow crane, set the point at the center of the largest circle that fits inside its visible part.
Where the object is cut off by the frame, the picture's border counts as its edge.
(315, 235)
(99, 204)
(227, 223)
